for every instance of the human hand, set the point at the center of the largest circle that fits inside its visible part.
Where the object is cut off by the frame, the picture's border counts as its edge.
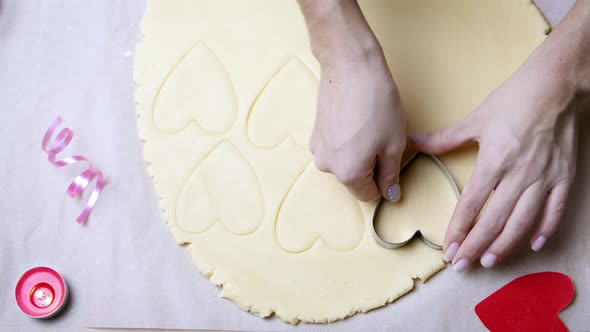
(359, 132)
(527, 135)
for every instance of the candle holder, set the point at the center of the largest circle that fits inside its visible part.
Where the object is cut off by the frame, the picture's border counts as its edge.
(41, 292)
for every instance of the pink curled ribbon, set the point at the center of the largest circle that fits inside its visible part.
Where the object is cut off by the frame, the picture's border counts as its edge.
(61, 141)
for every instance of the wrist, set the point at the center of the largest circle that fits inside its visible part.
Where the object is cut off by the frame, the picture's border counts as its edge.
(574, 60)
(568, 49)
(348, 51)
(556, 71)
(338, 32)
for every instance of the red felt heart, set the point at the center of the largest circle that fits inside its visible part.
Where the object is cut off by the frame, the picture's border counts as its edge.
(528, 303)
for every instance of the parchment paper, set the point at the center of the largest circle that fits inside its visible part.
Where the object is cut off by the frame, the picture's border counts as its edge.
(74, 59)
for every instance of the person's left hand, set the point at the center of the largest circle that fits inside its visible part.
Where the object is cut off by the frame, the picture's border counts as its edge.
(527, 135)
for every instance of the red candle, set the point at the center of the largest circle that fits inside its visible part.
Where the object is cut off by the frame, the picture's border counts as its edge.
(41, 292)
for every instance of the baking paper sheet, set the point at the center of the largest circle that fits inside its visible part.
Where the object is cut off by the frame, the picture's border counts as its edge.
(74, 59)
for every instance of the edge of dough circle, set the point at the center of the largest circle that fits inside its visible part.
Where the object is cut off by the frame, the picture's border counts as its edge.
(226, 96)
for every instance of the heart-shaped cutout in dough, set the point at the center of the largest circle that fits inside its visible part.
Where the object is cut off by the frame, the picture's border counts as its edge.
(223, 188)
(197, 89)
(285, 107)
(318, 207)
(426, 205)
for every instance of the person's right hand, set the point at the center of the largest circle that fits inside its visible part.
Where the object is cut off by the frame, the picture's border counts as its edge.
(359, 132)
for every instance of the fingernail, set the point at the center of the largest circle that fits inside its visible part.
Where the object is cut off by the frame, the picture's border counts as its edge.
(488, 260)
(451, 251)
(394, 193)
(418, 137)
(461, 265)
(539, 243)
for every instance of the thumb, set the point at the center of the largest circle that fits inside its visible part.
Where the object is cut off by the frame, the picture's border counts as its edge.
(444, 140)
(387, 176)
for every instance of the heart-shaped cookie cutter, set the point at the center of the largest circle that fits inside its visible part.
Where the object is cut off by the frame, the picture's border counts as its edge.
(417, 234)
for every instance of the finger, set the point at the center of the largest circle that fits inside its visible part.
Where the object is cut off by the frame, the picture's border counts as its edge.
(552, 213)
(485, 177)
(524, 215)
(313, 143)
(489, 226)
(387, 175)
(446, 139)
(355, 173)
(357, 177)
(364, 189)
(322, 163)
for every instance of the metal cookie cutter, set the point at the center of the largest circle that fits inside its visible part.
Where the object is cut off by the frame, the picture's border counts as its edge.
(418, 234)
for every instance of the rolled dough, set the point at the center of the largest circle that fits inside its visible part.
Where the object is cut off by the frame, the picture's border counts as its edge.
(427, 205)
(226, 100)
